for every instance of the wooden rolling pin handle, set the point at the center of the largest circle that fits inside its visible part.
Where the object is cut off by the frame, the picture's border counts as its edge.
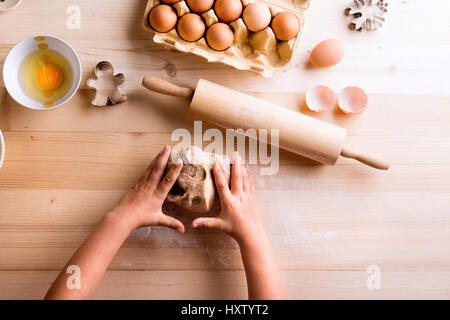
(370, 159)
(165, 87)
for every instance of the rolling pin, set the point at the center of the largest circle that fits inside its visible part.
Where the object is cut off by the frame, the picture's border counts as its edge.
(298, 133)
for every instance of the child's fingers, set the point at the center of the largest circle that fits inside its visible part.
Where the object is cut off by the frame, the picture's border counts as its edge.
(221, 183)
(167, 183)
(251, 182)
(150, 168)
(170, 222)
(160, 165)
(245, 178)
(143, 180)
(236, 174)
(208, 223)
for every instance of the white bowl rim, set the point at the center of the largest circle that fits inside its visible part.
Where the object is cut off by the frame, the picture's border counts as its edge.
(12, 7)
(2, 149)
(78, 62)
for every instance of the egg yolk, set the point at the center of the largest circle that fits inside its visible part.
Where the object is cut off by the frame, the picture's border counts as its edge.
(49, 77)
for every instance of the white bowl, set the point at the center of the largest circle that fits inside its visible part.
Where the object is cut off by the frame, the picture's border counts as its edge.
(6, 5)
(2, 149)
(15, 58)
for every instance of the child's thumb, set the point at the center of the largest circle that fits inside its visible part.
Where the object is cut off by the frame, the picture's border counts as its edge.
(171, 223)
(208, 223)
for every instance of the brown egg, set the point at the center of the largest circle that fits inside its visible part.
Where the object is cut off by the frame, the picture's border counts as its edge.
(170, 1)
(256, 16)
(200, 6)
(286, 26)
(162, 18)
(228, 10)
(219, 36)
(327, 53)
(191, 27)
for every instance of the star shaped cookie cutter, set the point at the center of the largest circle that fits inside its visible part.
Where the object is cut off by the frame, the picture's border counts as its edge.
(107, 85)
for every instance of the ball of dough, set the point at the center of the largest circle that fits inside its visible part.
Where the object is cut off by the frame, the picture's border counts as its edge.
(194, 189)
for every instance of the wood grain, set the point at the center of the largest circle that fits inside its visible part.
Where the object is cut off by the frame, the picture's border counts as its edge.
(386, 115)
(230, 285)
(66, 167)
(310, 230)
(400, 58)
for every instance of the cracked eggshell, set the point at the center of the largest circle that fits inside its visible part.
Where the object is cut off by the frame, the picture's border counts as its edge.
(320, 98)
(352, 100)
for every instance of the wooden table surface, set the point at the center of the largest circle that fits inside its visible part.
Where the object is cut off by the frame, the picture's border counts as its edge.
(65, 168)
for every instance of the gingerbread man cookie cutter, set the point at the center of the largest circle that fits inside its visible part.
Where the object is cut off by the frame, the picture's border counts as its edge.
(107, 85)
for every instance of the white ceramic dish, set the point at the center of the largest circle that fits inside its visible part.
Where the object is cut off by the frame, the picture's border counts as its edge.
(2, 149)
(15, 58)
(6, 5)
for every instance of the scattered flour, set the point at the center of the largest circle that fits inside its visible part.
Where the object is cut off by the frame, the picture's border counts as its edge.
(219, 256)
(295, 235)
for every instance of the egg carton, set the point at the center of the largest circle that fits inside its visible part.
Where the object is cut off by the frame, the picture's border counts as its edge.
(259, 52)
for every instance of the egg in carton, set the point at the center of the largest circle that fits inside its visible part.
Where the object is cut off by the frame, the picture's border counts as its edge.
(260, 52)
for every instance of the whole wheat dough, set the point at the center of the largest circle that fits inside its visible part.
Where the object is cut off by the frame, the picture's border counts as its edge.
(194, 189)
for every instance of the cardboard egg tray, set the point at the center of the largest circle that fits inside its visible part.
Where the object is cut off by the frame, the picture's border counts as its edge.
(258, 52)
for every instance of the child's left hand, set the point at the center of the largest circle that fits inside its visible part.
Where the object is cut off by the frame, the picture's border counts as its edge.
(142, 205)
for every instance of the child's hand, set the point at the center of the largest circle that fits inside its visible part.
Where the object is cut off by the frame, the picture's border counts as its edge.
(239, 214)
(142, 205)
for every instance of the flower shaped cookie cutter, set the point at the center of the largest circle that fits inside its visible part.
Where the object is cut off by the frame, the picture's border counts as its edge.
(367, 14)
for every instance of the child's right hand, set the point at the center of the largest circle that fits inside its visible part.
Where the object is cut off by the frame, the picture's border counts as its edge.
(239, 214)
(142, 205)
